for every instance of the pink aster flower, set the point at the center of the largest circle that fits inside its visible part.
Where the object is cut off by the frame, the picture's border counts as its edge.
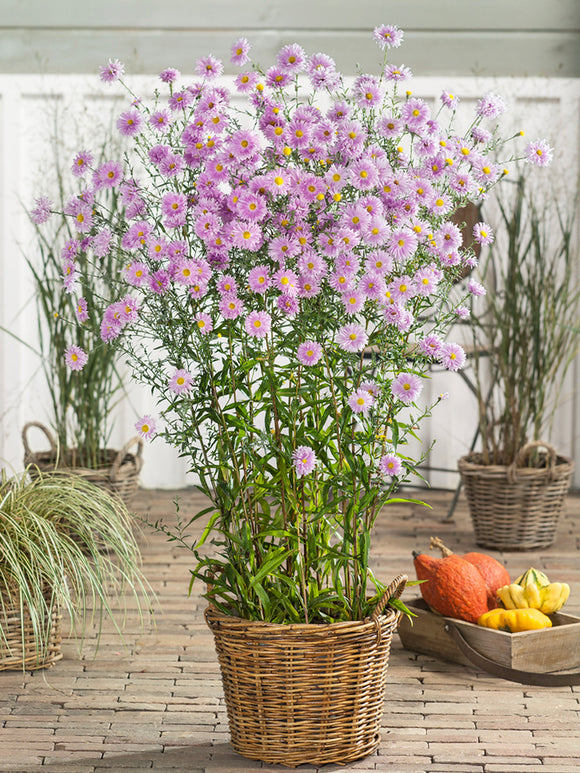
(102, 242)
(159, 281)
(352, 337)
(539, 153)
(75, 358)
(390, 465)
(286, 281)
(160, 121)
(174, 209)
(309, 353)
(169, 75)
(452, 356)
(415, 112)
(388, 36)
(397, 73)
(259, 279)
(361, 401)
(204, 323)
(240, 50)
(112, 71)
(246, 235)
(483, 233)
(137, 274)
(107, 175)
(180, 382)
(42, 210)
(129, 123)
(230, 306)
(81, 310)
(291, 58)
(304, 460)
(490, 106)
(431, 345)
(475, 288)
(258, 324)
(81, 163)
(209, 66)
(288, 304)
(406, 387)
(353, 301)
(402, 243)
(449, 100)
(146, 426)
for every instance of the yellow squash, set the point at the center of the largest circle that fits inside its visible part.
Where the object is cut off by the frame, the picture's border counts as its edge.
(515, 620)
(534, 589)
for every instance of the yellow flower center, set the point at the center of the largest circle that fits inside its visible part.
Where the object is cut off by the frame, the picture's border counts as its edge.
(257, 323)
(181, 381)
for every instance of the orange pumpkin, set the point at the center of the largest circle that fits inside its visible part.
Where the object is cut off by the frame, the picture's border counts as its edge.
(454, 587)
(494, 573)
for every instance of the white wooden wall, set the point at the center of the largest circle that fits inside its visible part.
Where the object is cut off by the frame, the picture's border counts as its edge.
(546, 107)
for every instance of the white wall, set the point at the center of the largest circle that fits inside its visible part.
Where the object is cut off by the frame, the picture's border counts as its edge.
(546, 107)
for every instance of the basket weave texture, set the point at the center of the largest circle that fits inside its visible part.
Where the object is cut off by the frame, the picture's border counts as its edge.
(119, 472)
(19, 649)
(305, 693)
(516, 507)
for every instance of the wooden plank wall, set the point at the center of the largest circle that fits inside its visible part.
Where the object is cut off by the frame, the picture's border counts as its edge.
(490, 38)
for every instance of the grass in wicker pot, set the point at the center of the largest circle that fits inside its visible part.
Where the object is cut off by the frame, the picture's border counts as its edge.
(52, 531)
(529, 327)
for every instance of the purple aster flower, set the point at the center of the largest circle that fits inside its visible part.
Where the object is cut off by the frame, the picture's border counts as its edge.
(288, 304)
(174, 209)
(160, 121)
(259, 279)
(462, 312)
(81, 162)
(483, 233)
(180, 100)
(277, 78)
(539, 153)
(42, 210)
(431, 345)
(230, 306)
(304, 460)
(204, 323)
(240, 50)
(107, 175)
(246, 235)
(286, 281)
(169, 75)
(82, 214)
(449, 100)
(361, 401)
(352, 337)
(452, 356)
(75, 358)
(390, 127)
(353, 301)
(309, 353)
(475, 288)
(209, 67)
(258, 324)
(490, 106)
(481, 135)
(388, 36)
(246, 82)
(402, 243)
(109, 330)
(112, 71)
(102, 242)
(415, 112)
(291, 58)
(390, 465)
(397, 73)
(129, 123)
(81, 310)
(379, 261)
(406, 387)
(159, 281)
(137, 274)
(180, 382)
(372, 387)
(146, 426)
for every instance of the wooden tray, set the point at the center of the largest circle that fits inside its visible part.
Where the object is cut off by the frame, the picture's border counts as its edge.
(544, 651)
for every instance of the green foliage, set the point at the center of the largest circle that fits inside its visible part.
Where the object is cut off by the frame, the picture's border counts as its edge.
(529, 327)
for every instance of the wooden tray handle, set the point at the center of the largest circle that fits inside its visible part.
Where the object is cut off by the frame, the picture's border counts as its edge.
(116, 467)
(43, 429)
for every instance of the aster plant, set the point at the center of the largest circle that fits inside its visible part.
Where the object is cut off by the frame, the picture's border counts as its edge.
(284, 266)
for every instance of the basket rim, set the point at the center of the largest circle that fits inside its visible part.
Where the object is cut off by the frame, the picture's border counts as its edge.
(260, 626)
(470, 463)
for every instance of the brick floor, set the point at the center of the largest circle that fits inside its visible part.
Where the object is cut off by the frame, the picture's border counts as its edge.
(155, 701)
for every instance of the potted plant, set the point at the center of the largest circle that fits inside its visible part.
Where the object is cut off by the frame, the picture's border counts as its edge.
(527, 337)
(82, 399)
(53, 527)
(283, 289)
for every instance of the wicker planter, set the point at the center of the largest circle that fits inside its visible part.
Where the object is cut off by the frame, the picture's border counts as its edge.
(305, 693)
(19, 649)
(516, 507)
(119, 472)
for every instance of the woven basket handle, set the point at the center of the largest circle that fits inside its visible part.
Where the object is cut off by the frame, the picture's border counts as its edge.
(43, 429)
(116, 467)
(394, 590)
(525, 452)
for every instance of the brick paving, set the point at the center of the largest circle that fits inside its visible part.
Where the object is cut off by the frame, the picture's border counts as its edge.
(156, 702)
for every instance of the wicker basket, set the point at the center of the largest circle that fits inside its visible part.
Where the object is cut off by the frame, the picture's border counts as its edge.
(119, 472)
(516, 507)
(305, 693)
(19, 649)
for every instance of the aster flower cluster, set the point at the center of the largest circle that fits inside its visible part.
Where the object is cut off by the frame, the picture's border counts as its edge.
(285, 260)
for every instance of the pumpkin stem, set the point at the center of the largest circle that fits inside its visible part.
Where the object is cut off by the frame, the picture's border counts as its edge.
(436, 543)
